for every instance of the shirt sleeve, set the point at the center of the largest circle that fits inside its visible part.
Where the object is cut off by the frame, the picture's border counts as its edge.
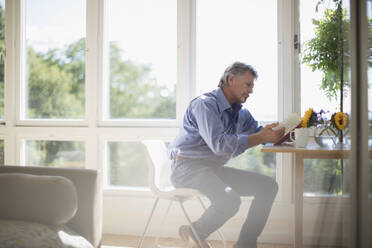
(212, 131)
(248, 124)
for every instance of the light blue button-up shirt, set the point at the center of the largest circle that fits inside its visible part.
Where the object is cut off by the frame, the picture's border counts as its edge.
(212, 129)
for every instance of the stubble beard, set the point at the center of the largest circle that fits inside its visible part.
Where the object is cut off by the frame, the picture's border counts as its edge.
(243, 99)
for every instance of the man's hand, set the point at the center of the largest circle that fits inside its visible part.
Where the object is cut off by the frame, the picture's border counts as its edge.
(270, 134)
(266, 135)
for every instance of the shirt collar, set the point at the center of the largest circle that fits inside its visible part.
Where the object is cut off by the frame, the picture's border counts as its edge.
(222, 102)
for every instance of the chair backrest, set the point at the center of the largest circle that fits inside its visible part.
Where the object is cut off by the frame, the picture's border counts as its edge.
(159, 166)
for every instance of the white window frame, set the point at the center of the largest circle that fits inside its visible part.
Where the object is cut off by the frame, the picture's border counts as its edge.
(103, 120)
(63, 135)
(20, 85)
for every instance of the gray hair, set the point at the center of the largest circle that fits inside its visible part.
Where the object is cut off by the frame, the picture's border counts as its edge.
(236, 69)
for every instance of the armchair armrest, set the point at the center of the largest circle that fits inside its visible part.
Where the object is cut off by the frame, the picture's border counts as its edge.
(88, 218)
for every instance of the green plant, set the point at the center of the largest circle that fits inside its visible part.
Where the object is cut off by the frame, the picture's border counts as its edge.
(328, 51)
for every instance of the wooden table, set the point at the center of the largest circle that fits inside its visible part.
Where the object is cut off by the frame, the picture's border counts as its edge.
(312, 151)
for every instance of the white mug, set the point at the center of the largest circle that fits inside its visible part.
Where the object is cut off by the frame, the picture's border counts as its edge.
(301, 137)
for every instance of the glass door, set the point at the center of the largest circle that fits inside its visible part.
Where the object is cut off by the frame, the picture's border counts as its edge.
(325, 91)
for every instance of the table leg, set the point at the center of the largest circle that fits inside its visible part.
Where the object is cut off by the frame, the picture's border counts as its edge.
(298, 201)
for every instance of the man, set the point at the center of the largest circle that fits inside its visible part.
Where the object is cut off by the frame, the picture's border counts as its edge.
(216, 128)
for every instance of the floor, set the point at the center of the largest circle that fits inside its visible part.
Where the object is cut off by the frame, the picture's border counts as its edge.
(121, 241)
(114, 241)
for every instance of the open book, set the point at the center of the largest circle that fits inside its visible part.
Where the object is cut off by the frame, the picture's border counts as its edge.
(290, 123)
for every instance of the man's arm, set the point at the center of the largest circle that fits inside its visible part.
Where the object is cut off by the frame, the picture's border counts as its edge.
(212, 131)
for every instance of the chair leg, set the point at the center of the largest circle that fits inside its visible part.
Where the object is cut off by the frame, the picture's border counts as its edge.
(218, 231)
(148, 222)
(191, 225)
(162, 222)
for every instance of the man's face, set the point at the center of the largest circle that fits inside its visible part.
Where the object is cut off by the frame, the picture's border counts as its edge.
(241, 86)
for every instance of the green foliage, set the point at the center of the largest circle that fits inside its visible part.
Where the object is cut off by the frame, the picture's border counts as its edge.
(56, 85)
(255, 160)
(75, 64)
(50, 88)
(54, 153)
(56, 89)
(322, 176)
(323, 52)
(330, 46)
(134, 94)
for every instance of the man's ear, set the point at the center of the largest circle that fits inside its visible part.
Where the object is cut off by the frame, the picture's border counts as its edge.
(230, 79)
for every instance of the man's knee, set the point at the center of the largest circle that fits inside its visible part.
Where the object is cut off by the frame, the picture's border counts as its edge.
(275, 187)
(272, 187)
(229, 206)
(267, 189)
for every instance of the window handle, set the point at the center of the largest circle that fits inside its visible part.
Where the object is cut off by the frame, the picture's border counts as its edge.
(296, 43)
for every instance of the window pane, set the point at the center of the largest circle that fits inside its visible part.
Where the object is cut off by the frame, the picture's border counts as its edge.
(324, 177)
(54, 153)
(55, 43)
(2, 56)
(239, 30)
(255, 160)
(127, 164)
(322, 71)
(311, 81)
(143, 58)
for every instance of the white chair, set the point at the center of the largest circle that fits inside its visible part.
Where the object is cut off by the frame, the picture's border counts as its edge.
(159, 172)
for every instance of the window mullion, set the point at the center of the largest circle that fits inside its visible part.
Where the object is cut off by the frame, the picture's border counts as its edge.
(185, 55)
(288, 90)
(102, 75)
(92, 64)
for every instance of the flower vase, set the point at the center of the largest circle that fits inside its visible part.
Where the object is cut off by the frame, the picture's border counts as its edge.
(338, 143)
(325, 136)
(342, 140)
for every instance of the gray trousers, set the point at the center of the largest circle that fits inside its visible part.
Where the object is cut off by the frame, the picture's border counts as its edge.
(224, 186)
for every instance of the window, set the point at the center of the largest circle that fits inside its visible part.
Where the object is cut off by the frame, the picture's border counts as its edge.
(225, 34)
(126, 162)
(142, 48)
(311, 80)
(145, 59)
(54, 86)
(137, 51)
(54, 153)
(321, 176)
(232, 31)
(86, 80)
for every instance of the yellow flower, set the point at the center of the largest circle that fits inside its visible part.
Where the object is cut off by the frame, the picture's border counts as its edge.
(306, 118)
(339, 120)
